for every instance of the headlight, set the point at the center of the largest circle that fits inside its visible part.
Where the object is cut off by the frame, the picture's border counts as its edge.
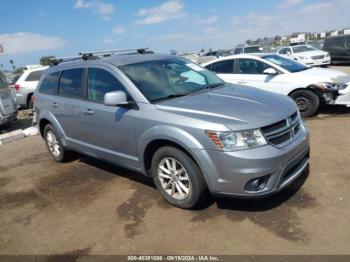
(330, 86)
(238, 140)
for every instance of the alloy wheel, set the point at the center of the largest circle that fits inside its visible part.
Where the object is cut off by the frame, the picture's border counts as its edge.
(53, 144)
(174, 178)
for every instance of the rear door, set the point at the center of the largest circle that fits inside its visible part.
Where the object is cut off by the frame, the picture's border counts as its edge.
(7, 105)
(224, 69)
(67, 105)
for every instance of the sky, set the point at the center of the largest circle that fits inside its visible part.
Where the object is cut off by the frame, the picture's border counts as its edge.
(36, 28)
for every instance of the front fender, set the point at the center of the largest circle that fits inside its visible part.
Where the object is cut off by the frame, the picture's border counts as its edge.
(46, 115)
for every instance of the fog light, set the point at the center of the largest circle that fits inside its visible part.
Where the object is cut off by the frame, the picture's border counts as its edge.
(257, 184)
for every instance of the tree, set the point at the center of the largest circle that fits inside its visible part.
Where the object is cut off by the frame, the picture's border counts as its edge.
(248, 42)
(45, 60)
(13, 64)
(19, 70)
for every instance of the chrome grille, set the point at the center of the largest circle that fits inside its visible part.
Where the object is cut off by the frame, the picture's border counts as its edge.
(282, 132)
(317, 57)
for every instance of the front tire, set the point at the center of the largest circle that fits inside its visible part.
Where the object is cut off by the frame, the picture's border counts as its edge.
(308, 102)
(178, 178)
(54, 144)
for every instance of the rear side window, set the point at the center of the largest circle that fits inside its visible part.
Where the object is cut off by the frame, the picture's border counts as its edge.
(70, 84)
(250, 66)
(50, 84)
(34, 76)
(222, 67)
(101, 82)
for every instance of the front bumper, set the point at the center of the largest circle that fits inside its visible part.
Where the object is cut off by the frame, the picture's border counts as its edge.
(227, 173)
(318, 62)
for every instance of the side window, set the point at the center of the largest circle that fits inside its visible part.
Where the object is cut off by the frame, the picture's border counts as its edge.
(250, 66)
(70, 84)
(222, 67)
(34, 76)
(283, 51)
(101, 82)
(50, 84)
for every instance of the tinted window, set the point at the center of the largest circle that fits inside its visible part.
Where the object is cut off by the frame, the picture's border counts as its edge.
(304, 48)
(3, 82)
(252, 49)
(34, 76)
(222, 67)
(71, 83)
(250, 66)
(284, 51)
(238, 51)
(49, 84)
(101, 82)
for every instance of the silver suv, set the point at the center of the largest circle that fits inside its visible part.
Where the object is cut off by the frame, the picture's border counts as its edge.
(170, 119)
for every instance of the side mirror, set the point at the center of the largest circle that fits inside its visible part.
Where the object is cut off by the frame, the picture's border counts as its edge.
(116, 98)
(288, 53)
(270, 71)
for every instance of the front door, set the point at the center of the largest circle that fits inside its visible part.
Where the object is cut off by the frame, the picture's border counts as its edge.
(107, 130)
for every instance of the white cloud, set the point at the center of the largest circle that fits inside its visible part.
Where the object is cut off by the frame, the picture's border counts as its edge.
(101, 8)
(320, 16)
(26, 42)
(167, 11)
(208, 21)
(289, 3)
(119, 30)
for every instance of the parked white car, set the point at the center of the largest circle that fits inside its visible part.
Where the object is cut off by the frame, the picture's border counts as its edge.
(26, 85)
(306, 54)
(309, 87)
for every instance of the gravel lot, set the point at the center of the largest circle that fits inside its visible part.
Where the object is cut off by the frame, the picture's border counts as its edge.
(89, 207)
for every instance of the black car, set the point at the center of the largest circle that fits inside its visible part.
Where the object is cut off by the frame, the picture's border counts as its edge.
(338, 48)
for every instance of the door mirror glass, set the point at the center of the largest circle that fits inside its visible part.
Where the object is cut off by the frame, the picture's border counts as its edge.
(270, 71)
(115, 98)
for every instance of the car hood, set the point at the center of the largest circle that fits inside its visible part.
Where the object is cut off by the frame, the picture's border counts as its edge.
(311, 53)
(238, 107)
(323, 75)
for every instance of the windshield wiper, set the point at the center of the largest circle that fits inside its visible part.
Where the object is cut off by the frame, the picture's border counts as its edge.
(205, 88)
(168, 97)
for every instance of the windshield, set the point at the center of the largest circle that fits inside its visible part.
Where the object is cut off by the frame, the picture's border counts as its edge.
(252, 49)
(304, 48)
(169, 78)
(286, 63)
(3, 82)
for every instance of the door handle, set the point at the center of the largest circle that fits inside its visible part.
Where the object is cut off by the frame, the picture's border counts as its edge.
(54, 104)
(242, 82)
(89, 112)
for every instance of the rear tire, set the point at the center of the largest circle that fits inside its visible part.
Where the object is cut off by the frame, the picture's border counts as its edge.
(308, 102)
(178, 178)
(54, 144)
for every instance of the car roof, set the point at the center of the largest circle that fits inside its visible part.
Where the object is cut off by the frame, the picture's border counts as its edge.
(250, 55)
(116, 60)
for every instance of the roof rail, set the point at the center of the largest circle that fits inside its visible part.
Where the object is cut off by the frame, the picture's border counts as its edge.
(111, 52)
(95, 54)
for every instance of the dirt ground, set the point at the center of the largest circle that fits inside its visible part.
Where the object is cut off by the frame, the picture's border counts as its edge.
(90, 207)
